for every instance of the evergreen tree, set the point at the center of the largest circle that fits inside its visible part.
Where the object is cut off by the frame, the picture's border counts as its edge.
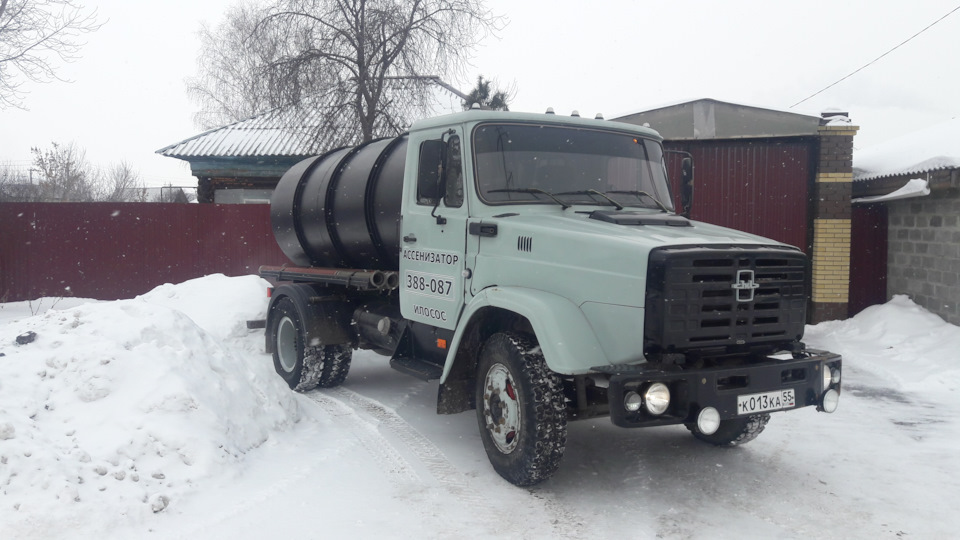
(481, 95)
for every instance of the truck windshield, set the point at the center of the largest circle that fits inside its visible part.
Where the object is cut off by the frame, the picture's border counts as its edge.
(529, 164)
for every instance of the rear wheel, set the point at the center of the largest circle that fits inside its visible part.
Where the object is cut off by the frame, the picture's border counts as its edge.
(520, 410)
(733, 432)
(304, 367)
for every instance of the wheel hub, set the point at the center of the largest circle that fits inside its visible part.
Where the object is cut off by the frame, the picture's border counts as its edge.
(287, 344)
(501, 408)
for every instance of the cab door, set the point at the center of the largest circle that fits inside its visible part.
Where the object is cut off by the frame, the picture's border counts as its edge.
(433, 232)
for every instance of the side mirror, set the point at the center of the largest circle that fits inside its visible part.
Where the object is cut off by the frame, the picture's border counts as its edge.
(430, 171)
(686, 186)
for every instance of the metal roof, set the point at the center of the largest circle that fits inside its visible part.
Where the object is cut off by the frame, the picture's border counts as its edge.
(714, 119)
(280, 132)
(287, 131)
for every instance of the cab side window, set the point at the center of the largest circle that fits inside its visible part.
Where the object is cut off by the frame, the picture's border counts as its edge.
(453, 197)
(439, 159)
(430, 167)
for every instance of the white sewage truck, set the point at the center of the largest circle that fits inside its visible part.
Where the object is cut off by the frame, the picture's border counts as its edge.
(536, 267)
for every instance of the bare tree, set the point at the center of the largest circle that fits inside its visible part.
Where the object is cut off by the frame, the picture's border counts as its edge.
(233, 83)
(34, 35)
(16, 185)
(61, 173)
(360, 65)
(122, 184)
(65, 175)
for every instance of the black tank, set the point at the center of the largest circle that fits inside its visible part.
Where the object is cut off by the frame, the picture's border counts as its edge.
(342, 209)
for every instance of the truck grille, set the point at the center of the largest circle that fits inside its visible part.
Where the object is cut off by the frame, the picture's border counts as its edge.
(701, 298)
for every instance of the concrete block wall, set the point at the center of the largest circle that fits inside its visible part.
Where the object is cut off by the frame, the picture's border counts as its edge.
(923, 256)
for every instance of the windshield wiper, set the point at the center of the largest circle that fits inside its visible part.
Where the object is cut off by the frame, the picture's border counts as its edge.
(593, 192)
(532, 191)
(641, 194)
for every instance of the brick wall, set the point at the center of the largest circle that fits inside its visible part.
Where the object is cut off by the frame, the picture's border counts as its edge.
(831, 224)
(831, 261)
(923, 257)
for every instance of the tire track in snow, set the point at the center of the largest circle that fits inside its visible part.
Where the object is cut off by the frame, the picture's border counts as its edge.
(564, 522)
(384, 454)
(427, 452)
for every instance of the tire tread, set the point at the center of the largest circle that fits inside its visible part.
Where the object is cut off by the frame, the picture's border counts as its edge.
(734, 432)
(543, 456)
(325, 366)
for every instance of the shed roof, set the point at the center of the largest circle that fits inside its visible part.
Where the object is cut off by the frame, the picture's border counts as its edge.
(283, 132)
(713, 119)
(279, 132)
(927, 150)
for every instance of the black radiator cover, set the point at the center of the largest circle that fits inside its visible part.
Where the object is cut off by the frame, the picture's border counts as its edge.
(692, 304)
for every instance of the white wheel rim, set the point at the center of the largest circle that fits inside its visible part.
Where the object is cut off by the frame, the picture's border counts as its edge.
(501, 408)
(287, 344)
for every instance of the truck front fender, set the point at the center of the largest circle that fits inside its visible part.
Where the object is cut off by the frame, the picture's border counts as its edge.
(566, 338)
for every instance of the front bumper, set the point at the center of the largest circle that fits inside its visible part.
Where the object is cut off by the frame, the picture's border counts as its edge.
(692, 390)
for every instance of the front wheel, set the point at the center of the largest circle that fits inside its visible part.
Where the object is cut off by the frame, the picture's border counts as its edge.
(304, 367)
(733, 432)
(520, 410)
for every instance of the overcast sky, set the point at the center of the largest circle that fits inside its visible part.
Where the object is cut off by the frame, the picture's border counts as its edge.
(128, 98)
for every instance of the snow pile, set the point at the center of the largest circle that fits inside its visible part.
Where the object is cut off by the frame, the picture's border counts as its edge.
(836, 117)
(899, 341)
(117, 408)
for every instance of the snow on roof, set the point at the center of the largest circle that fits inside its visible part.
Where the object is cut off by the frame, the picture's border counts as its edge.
(280, 132)
(916, 187)
(930, 149)
(285, 131)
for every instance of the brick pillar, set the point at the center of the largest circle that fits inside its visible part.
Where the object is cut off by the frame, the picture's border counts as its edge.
(831, 220)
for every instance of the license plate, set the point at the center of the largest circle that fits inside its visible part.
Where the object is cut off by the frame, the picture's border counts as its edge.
(766, 401)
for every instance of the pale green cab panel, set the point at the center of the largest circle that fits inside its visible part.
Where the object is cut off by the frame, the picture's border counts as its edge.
(566, 338)
(619, 330)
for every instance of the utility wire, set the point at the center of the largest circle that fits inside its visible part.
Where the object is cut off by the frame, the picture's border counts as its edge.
(877, 58)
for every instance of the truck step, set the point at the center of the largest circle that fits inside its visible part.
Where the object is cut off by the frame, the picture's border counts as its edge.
(419, 368)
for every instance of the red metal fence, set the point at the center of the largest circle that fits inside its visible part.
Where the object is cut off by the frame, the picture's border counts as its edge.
(760, 186)
(119, 250)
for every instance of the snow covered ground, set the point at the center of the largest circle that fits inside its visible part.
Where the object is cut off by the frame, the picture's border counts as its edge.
(161, 417)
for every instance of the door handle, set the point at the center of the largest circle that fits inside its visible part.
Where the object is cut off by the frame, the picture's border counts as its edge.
(483, 229)
(410, 238)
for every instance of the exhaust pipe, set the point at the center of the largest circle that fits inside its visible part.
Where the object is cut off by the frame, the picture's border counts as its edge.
(378, 280)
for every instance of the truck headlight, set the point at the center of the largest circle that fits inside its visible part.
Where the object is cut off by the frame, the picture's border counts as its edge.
(632, 401)
(656, 398)
(708, 421)
(830, 401)
(827, 376)
(835, 375)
